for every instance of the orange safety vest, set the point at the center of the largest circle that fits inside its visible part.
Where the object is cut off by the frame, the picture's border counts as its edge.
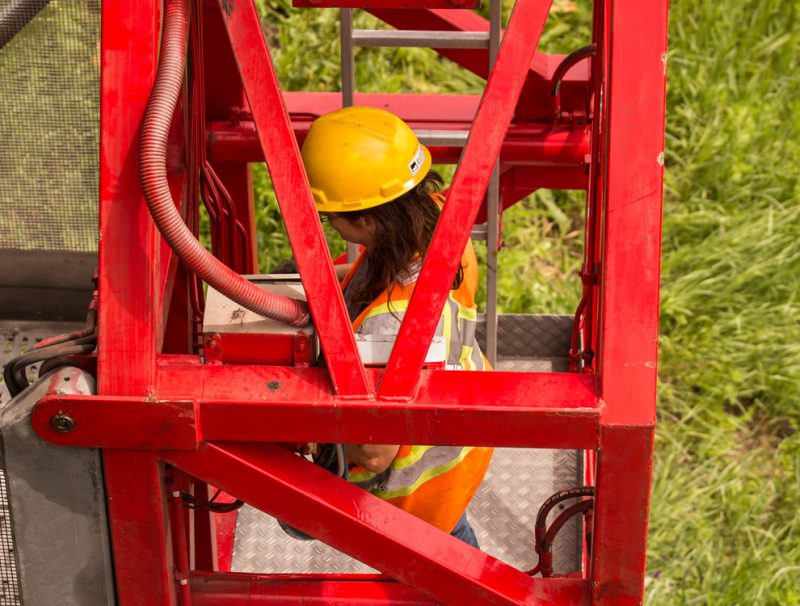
(434, 483)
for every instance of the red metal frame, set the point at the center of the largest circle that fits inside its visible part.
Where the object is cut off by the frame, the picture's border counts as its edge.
(160, 409)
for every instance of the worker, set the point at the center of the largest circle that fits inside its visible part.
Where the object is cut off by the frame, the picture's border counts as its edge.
(371, 180)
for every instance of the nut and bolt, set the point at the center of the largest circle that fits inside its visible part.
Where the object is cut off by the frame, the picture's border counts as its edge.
(62, 422)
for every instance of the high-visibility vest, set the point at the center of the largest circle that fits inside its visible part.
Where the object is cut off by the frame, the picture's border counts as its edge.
(434, 483)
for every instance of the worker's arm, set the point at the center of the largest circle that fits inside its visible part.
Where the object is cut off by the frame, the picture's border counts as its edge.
(342, 269)
(372, 457)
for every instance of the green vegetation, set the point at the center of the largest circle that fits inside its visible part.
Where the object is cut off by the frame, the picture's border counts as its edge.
(724, 523)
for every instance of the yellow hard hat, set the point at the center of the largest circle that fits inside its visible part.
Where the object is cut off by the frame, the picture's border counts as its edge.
(360, 157)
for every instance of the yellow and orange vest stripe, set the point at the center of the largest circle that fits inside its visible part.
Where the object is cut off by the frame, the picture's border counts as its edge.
(434, 483)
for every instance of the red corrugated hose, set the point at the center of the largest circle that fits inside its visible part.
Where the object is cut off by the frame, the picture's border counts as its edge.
(153, 172)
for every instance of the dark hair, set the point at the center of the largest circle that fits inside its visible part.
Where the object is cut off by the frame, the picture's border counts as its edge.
(403, 229)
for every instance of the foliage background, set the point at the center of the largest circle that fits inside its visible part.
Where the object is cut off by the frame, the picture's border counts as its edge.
(726, 480)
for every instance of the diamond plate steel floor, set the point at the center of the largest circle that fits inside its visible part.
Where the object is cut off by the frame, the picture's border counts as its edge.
(502, 513)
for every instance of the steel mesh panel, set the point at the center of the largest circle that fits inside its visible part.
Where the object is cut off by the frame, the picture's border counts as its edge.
(49, 75)
(9, 584)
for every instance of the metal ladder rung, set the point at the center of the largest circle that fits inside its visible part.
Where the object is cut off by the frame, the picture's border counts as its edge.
(420, 38)
(479, 233)
(443, 138)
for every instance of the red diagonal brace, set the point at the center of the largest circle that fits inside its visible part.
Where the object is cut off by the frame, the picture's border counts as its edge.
(294, 197)
(469, 185)
(357, 523)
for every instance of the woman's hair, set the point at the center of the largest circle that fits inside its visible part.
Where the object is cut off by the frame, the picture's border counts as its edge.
(403, 229)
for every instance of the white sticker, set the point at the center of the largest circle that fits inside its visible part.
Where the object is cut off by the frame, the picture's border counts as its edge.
(416, 163)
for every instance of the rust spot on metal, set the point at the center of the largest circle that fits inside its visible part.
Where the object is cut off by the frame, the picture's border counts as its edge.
(273, 386)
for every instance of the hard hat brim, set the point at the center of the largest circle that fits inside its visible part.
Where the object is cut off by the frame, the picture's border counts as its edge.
(324, 205)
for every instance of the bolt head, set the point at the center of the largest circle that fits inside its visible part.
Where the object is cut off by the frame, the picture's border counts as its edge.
(62, 422)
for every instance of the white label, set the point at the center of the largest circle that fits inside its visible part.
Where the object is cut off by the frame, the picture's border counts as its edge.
(416, 163)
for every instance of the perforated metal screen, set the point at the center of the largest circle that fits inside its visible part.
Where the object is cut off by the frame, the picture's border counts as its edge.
(49, 118)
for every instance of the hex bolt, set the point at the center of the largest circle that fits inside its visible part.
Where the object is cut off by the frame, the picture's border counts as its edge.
(62, 422)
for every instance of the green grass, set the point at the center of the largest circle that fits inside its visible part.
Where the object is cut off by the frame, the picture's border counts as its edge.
(726, 480)
(724, 524)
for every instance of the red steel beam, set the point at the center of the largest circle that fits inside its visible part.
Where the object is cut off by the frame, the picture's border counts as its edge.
(132, 279)
(634, 172)
(622, 504)
(346, 590)
(294, 198)
(139, 525)
(278, 404)
(357, 523)
(466, 192)
(523, 144)
(224, 90)
(632, 183)
(404, 4)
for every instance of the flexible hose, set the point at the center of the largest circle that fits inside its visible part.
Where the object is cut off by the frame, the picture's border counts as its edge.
(153, 173)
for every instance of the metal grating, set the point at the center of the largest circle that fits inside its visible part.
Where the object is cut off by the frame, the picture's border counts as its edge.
(502, 514)
(49, 75)
(9, 590)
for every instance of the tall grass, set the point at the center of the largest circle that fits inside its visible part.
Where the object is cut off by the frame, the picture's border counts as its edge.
(724, 523)
(726, 480)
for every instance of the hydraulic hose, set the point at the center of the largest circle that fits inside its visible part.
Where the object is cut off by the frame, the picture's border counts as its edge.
(153, 173)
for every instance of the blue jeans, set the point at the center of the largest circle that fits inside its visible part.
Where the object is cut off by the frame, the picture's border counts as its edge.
(464, 532)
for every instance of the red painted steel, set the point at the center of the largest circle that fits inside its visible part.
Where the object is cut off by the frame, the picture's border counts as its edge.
(294, 197)
(342, 590)
(629, 294)
(622, 504)
(139, 523)
(177, 405)
(469, 185)
(634, 168)
(282, 404)
(523, 145)
(131, 280)
(98, 420)
(357, 523)
(536, 89)
(386, 3)
(129, 260)
(226, 535)
(267, 349)
(204, 550)
(227, 92)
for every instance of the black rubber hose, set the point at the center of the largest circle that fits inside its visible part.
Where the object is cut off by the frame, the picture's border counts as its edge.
(544, 510)
(14, 372)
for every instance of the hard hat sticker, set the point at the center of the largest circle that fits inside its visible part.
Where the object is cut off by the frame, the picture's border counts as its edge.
(417, 161)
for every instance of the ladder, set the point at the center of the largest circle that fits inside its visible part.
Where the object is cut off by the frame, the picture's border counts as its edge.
(351, 38)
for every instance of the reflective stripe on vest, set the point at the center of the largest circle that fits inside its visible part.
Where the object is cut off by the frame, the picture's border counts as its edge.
(431, 462)
(434, 483)
(462, 350)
